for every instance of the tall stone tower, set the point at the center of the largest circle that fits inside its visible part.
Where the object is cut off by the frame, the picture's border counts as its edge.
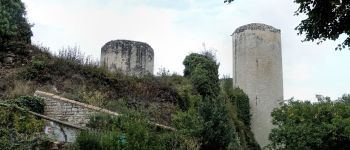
(257, 69)
(131, 57)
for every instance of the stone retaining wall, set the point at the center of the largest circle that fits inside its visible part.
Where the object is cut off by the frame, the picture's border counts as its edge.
(67, 110)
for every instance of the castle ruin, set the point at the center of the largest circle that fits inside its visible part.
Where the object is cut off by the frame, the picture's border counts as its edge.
(257, 69)
(130, 57)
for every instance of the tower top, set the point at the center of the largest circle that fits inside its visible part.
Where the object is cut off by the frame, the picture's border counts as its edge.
(256, 26)
(126, 45)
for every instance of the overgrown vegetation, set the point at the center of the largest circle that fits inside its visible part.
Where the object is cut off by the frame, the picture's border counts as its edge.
(305, 125)
(130, 131)
(19, 129)
(211, 116)
(14, 27)
(206, 115)
(71, 75)
(204, 119)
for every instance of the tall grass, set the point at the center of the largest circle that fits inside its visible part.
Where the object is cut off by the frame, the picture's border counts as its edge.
(74, 54)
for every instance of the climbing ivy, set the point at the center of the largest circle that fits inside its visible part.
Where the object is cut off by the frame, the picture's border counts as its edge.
(20, 130)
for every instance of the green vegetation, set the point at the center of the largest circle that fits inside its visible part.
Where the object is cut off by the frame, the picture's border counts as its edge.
(19, 129)
(205, 115)
(130, 131)
(326, 20)
(202, 71)
(217, 132)
(305, 125)
(14, 27)
(202, 121)
(212, 116)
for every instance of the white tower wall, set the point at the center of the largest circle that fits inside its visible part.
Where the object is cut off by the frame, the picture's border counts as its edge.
(257, 69)
(131, 57)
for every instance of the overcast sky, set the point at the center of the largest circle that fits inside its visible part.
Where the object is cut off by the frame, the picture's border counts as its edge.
(175, 28)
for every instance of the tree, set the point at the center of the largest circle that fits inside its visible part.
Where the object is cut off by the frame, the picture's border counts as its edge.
(345, 98)
(218, 131)
(304, 125)
(228, 1)
(203, 73)
(14, 27)
(326, 20)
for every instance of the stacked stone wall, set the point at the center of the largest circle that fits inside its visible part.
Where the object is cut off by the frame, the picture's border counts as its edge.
(67, 110)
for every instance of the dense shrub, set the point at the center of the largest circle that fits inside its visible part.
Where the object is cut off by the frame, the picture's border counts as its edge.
(304, 125)
(238, 98)
(130, 131)
(34, 104)
(20, 130)
(218, 130)
(203, 73)
(14, 27)
(241, 100)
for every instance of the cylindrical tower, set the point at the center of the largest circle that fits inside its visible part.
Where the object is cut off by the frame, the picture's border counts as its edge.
(131, 57)
(257, 69)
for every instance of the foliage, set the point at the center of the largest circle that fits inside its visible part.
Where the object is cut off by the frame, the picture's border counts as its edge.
(95, 98)
(218, 131)
(345, 98)
(19, 130)
(189, 122)
(34, 104)
(14, 27)
(203, 73)
(77, 78)
(241, 100)
(237, 98)
(129, 131)
(228, 1)
(237, 103)
(305, 125)
(325, 20)
(244, 136)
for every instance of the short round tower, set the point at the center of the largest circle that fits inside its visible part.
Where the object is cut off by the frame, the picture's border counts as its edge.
(257, 69)
(131, 57)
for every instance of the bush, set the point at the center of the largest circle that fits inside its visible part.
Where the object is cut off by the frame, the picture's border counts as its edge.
(20, 130)
(14, 27)
(218, 131)
(129, 131)
(34, 104)
(305, 125)
(241, 100)
(203, 73)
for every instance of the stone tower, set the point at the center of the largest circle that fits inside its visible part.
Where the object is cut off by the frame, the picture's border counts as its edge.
(257, 69)
(131, 57)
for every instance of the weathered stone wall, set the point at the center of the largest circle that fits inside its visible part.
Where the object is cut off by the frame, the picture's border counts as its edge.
(61, 132)
(66, 117)
(257, 69)
(131, 57)
(67, 110)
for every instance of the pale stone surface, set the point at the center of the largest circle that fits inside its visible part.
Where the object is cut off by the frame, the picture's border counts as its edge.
(68, 117)
(257, 69)
(131, 57)
(60, 132)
